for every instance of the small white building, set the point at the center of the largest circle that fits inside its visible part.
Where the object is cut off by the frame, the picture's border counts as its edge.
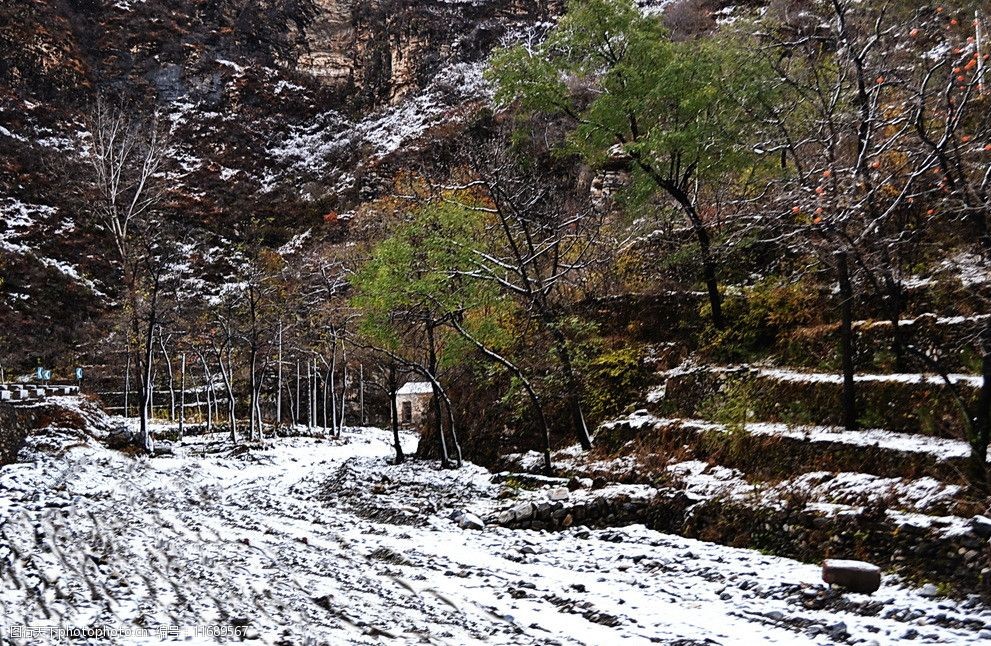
(412, 401)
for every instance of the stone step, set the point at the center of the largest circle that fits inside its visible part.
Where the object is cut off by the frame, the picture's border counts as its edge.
(817, 346)
(772, 451)
(35, 392)
(905, 403)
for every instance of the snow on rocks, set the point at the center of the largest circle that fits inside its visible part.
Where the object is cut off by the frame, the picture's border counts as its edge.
(297, 539)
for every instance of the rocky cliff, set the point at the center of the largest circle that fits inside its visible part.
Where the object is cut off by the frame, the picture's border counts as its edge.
(278, 111)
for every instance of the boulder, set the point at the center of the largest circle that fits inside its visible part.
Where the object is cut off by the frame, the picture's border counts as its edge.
(523, 511)
(505, 517)
(855, 576)
(469, 520)
(121, 437)
(981, 525)
(559, 494)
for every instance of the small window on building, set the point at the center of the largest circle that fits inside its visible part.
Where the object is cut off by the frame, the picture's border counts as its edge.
(407, 412)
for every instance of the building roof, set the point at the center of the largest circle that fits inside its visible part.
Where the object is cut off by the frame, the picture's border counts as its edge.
(416, 388)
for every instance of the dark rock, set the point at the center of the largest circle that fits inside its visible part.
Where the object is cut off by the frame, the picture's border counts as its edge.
(981, 525)
(855, 576)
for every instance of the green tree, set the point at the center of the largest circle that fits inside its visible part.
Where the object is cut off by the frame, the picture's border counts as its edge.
(408, 292)
(671, 110)
(423, 281)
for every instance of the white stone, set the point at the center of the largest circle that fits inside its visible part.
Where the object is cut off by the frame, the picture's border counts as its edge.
(469, 520)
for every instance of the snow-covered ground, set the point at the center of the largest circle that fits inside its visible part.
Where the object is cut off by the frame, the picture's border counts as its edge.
(322, 541)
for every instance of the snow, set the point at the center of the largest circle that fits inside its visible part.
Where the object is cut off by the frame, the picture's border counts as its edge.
(322, 540)
(939, 448)
(11, 135)
(970, 268)
(296, 243)
(314, 147)
(850, 565)
(835, 378)
(415, 388)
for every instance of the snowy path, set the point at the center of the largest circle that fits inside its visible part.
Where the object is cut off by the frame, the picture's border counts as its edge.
(322, 542)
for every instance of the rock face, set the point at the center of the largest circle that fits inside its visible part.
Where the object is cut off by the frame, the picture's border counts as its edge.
(855, 576)
(383, 50)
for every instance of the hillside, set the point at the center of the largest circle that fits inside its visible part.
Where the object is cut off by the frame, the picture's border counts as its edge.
(276, 112)
(468, 320)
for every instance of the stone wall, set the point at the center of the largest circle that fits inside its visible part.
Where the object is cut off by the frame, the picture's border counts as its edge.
(959, 559)
(908, 407)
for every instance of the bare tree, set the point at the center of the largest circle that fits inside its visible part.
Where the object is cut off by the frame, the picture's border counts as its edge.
(125, 155)
(546, 236)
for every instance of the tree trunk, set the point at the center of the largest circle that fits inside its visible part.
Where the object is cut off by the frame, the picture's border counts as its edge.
(894, 315)
(278, 389)
(435, 400)
(709, 276)
(982, 420)
(258, 406)
(344, 390)
(297, 402)
(151, 395)
(393, 387)
(146, 386)
(127, 385)
(328, 385)
(182, 395)
(309, 395)
(333, 392)
(253, 389)
(208, 383)
(571, 383)
(849, 397)
(170, 373)
(315, 385)
(538, 408)
(458, 458)
(228, 377)
(361, 393)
